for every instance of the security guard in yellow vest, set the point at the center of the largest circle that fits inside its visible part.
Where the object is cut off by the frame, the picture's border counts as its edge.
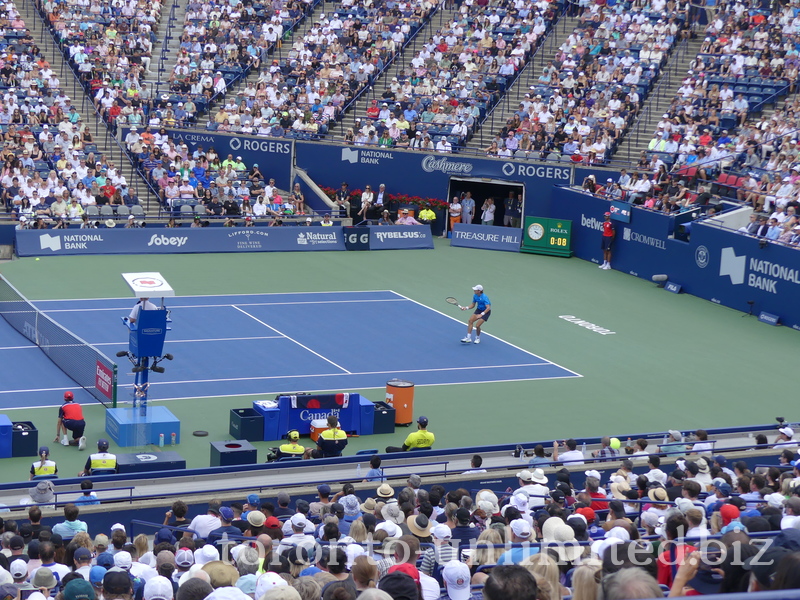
(44, 466)
(102, 459)
(292, 448)
(422, 439)
(330, 442)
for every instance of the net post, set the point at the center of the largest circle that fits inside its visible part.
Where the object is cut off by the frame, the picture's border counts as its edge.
(114, 388)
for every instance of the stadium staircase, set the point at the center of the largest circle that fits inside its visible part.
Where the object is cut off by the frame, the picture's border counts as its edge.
(165, 50)
(497, 117)
(106, 143)
(281, 54)
(659, 100)
(358, 109)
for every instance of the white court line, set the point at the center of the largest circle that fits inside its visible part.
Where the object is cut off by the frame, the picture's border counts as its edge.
(218, 295)
(268, 377)
(244, 312)
(177, 307)
(125, 342)
(124, 403)
(392, 372)
(490, 335)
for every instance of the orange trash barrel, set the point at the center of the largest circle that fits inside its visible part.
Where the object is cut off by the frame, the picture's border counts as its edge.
(317, 427)
(400, 396)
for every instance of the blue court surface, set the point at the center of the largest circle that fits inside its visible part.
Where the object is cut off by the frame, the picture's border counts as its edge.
(268, 343)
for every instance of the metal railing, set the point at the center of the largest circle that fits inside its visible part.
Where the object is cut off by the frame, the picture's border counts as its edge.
(546, 47)
(79, 94)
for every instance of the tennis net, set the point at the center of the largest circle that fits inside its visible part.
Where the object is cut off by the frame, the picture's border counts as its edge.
(85, 364)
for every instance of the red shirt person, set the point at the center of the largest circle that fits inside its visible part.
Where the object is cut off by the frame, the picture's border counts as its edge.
(70, 418)
(607, 240)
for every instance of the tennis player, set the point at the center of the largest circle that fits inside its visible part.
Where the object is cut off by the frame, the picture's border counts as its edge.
(483, 308)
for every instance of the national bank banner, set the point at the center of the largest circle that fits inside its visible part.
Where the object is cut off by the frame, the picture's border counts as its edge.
(61, 242)
(400, 237)
(733, 269)
(720, 265)
(272, 155)
(425, 175)
(486, 237)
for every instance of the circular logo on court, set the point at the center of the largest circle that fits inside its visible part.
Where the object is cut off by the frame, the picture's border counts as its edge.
(148, 282)
(508, 169)
(236, 143)
(146, 457)
(702, 256)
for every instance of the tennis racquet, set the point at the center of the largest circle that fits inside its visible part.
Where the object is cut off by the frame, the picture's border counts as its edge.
(453, 301)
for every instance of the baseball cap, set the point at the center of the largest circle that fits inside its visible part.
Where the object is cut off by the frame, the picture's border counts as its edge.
(184, 558)
(399, 586)
(96, 574)
(308, 219)
(298, 520)
(82, 554)
(16, 543)
(80, 589)
(226, 513)
(462, 515)
(267, 581)
(608, 214)
(442, 532)
(18, 568)
(456, 577)
(116, 582)
(521, 528)
(272, 523)
(105, 559)
(728, 512)
(8, 591)
(477, 288)
(123, 560)
(787, 431)
(724, 488)
(253, 500)
(68, 396)
(423, 421)
(324, 488)
(158, 588)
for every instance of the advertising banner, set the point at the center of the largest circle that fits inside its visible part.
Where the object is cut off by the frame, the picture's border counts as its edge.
(734, 269)
(724, 266)
(486, 237)
(400, 237)
(425, 175)
(356, 238)
(640, 247)
(61, 242)
(272, 155)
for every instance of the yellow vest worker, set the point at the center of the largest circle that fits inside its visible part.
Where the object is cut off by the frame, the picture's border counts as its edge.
(44, 466)
(422, 439)
(102, 459)
(332, 441)
(292, 448)
(427, 215)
